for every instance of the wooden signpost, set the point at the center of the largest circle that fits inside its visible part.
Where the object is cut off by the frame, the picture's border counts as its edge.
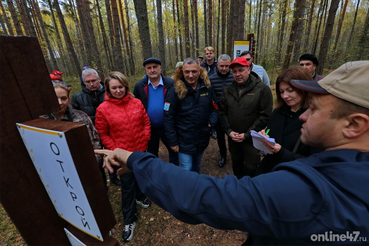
(43, 213)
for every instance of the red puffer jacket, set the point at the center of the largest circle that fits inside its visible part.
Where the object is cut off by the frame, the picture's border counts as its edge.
(123, 123)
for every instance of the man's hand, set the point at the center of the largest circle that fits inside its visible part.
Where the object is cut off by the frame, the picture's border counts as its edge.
(237, 137)
(118, 157)
(175, 148)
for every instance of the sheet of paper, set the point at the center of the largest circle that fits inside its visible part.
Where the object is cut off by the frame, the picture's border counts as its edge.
(257, 138)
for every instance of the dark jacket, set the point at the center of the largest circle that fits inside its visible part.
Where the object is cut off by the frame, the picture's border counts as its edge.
(219, 82)
(210, 69)
(325, 193)
(245, 108)
(88, 101)
(186, 120)
(285, 128)
(141, 90)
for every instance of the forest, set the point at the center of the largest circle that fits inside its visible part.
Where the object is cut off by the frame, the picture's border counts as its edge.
(119, 34)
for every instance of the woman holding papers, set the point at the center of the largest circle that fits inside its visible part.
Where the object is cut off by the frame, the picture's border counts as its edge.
(284, 125)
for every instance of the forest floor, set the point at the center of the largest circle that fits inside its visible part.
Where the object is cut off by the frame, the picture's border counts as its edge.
(155, 226)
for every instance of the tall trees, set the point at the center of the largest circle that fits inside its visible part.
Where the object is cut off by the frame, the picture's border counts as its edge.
(89, 40)
(13, 13)
(327, 36)
(298, 13)
(187, 29)
(67, 39)
(143, 26)
(161, 37)
(50, 54)
(118, 56)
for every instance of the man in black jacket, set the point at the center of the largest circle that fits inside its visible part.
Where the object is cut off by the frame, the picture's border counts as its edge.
(220, 80)
(245, 105)
(92, 94)
(152, 91)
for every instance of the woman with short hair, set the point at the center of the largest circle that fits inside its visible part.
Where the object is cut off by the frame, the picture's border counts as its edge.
(122, 122)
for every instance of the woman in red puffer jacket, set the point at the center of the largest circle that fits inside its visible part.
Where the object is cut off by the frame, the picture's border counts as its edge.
(122, 122)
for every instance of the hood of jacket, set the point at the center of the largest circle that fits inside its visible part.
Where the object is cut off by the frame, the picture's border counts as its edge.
(180, 85)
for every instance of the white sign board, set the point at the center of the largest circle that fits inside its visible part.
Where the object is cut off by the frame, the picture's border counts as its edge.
(239, 47)
(52, 159)
(74, 241)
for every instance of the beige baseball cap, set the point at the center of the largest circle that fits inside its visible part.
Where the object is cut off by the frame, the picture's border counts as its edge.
(349, 82)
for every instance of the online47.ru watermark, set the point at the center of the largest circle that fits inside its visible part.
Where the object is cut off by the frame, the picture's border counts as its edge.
(329, 236)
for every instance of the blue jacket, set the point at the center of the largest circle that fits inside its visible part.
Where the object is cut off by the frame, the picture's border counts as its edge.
(187, 120)
(326, 192)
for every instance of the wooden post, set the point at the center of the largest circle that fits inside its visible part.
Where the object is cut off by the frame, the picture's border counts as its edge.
(26, 93)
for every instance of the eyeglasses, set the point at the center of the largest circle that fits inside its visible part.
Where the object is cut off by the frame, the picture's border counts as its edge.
(60, 82)
(90, 81)
(248, 59)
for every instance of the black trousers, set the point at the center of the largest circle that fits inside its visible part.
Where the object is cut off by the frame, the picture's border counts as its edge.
(245, 158)
(221, 140)
(153, 144)
(130, 192)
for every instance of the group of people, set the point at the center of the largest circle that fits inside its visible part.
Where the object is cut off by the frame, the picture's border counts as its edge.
(232, 97)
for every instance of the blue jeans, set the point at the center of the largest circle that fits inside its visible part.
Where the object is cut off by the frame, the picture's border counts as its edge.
(190, 162)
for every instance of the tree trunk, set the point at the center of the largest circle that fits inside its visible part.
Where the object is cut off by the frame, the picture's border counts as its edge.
(105, 41)
(364, 40)
(176, 56)
(298, 13)
(210, 22)
(13, 13)
(111, 30)
(241, 20)
(318, 25)
(143, 27)
(3, 24)
(205, 24)
(9, 27)
(187, 29)
(133, 70)
(27, 20)
(42, 25)
(180, 32)
(218, 29)
(118, 57)
(95, 51)
(256, 55)
(58, 38)
(122, 37)
(230, 29)
(161, 37)
(340, 25)
(80, 46)
(327, 36)
(196, 27)
(308, 29)
(224, 25)
(127, 48)
(281, 33)
(297, 45)
(353, 25)
(67, 39)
